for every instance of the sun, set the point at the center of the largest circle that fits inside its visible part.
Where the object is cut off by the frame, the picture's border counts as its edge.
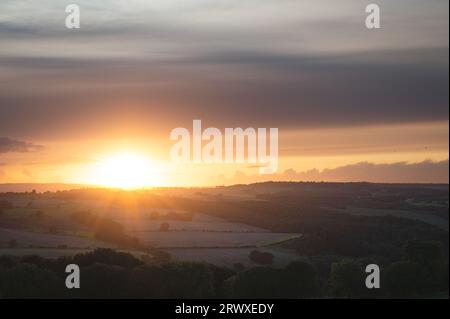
(125, 170)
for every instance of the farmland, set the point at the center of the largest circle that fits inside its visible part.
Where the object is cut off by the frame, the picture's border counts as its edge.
(223, 234)
(43, 225)
(32, 239)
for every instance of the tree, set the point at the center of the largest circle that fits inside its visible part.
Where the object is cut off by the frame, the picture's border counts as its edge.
(262, 258)
(300, 280)
(110, 231)
(347, 279)
(102, 281)
(29, 281)
(189, 280)
(106, 256)
(405, 279)
(424, 252)
(7, 261)
(430, 255)
(258, 283)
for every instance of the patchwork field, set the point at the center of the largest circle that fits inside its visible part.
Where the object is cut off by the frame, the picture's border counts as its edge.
(201, 237)
(31, 239)
(202, 231)
(334, 228)
(199, 223)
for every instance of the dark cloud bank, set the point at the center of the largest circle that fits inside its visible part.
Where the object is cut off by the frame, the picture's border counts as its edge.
(9, 145)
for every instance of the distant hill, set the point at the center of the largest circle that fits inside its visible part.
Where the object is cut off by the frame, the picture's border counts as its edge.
(40, 188)
(268, 187)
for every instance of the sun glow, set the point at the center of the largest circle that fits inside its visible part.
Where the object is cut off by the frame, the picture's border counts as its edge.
(126, 170)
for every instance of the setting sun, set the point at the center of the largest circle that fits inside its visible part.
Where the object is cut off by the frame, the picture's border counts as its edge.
(126, 170)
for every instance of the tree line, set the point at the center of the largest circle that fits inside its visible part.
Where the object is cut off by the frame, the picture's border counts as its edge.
(106, 273)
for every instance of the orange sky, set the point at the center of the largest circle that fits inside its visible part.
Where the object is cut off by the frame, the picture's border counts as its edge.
(79, 161)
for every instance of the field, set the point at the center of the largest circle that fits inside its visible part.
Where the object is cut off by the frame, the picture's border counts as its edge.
(43, 252)
(203, 231)
(26, 239)
(202, 237)
(198, 223)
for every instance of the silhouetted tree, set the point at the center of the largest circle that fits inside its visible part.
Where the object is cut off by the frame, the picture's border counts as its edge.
(260, 282)
(347, 279)
(262, 258)
(106, 256)
(424, 252)
(406, 279)
(300, 280)
(28, 281)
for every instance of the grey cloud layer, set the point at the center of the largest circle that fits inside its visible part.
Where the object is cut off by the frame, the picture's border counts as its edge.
(281, 63)
(10, 145)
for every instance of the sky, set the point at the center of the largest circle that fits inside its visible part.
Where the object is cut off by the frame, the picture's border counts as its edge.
(350, 103)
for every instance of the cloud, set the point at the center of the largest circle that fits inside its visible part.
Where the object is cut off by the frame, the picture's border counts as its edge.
(226, 89)
(286, 64)
(9, 145)
(401, 172)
